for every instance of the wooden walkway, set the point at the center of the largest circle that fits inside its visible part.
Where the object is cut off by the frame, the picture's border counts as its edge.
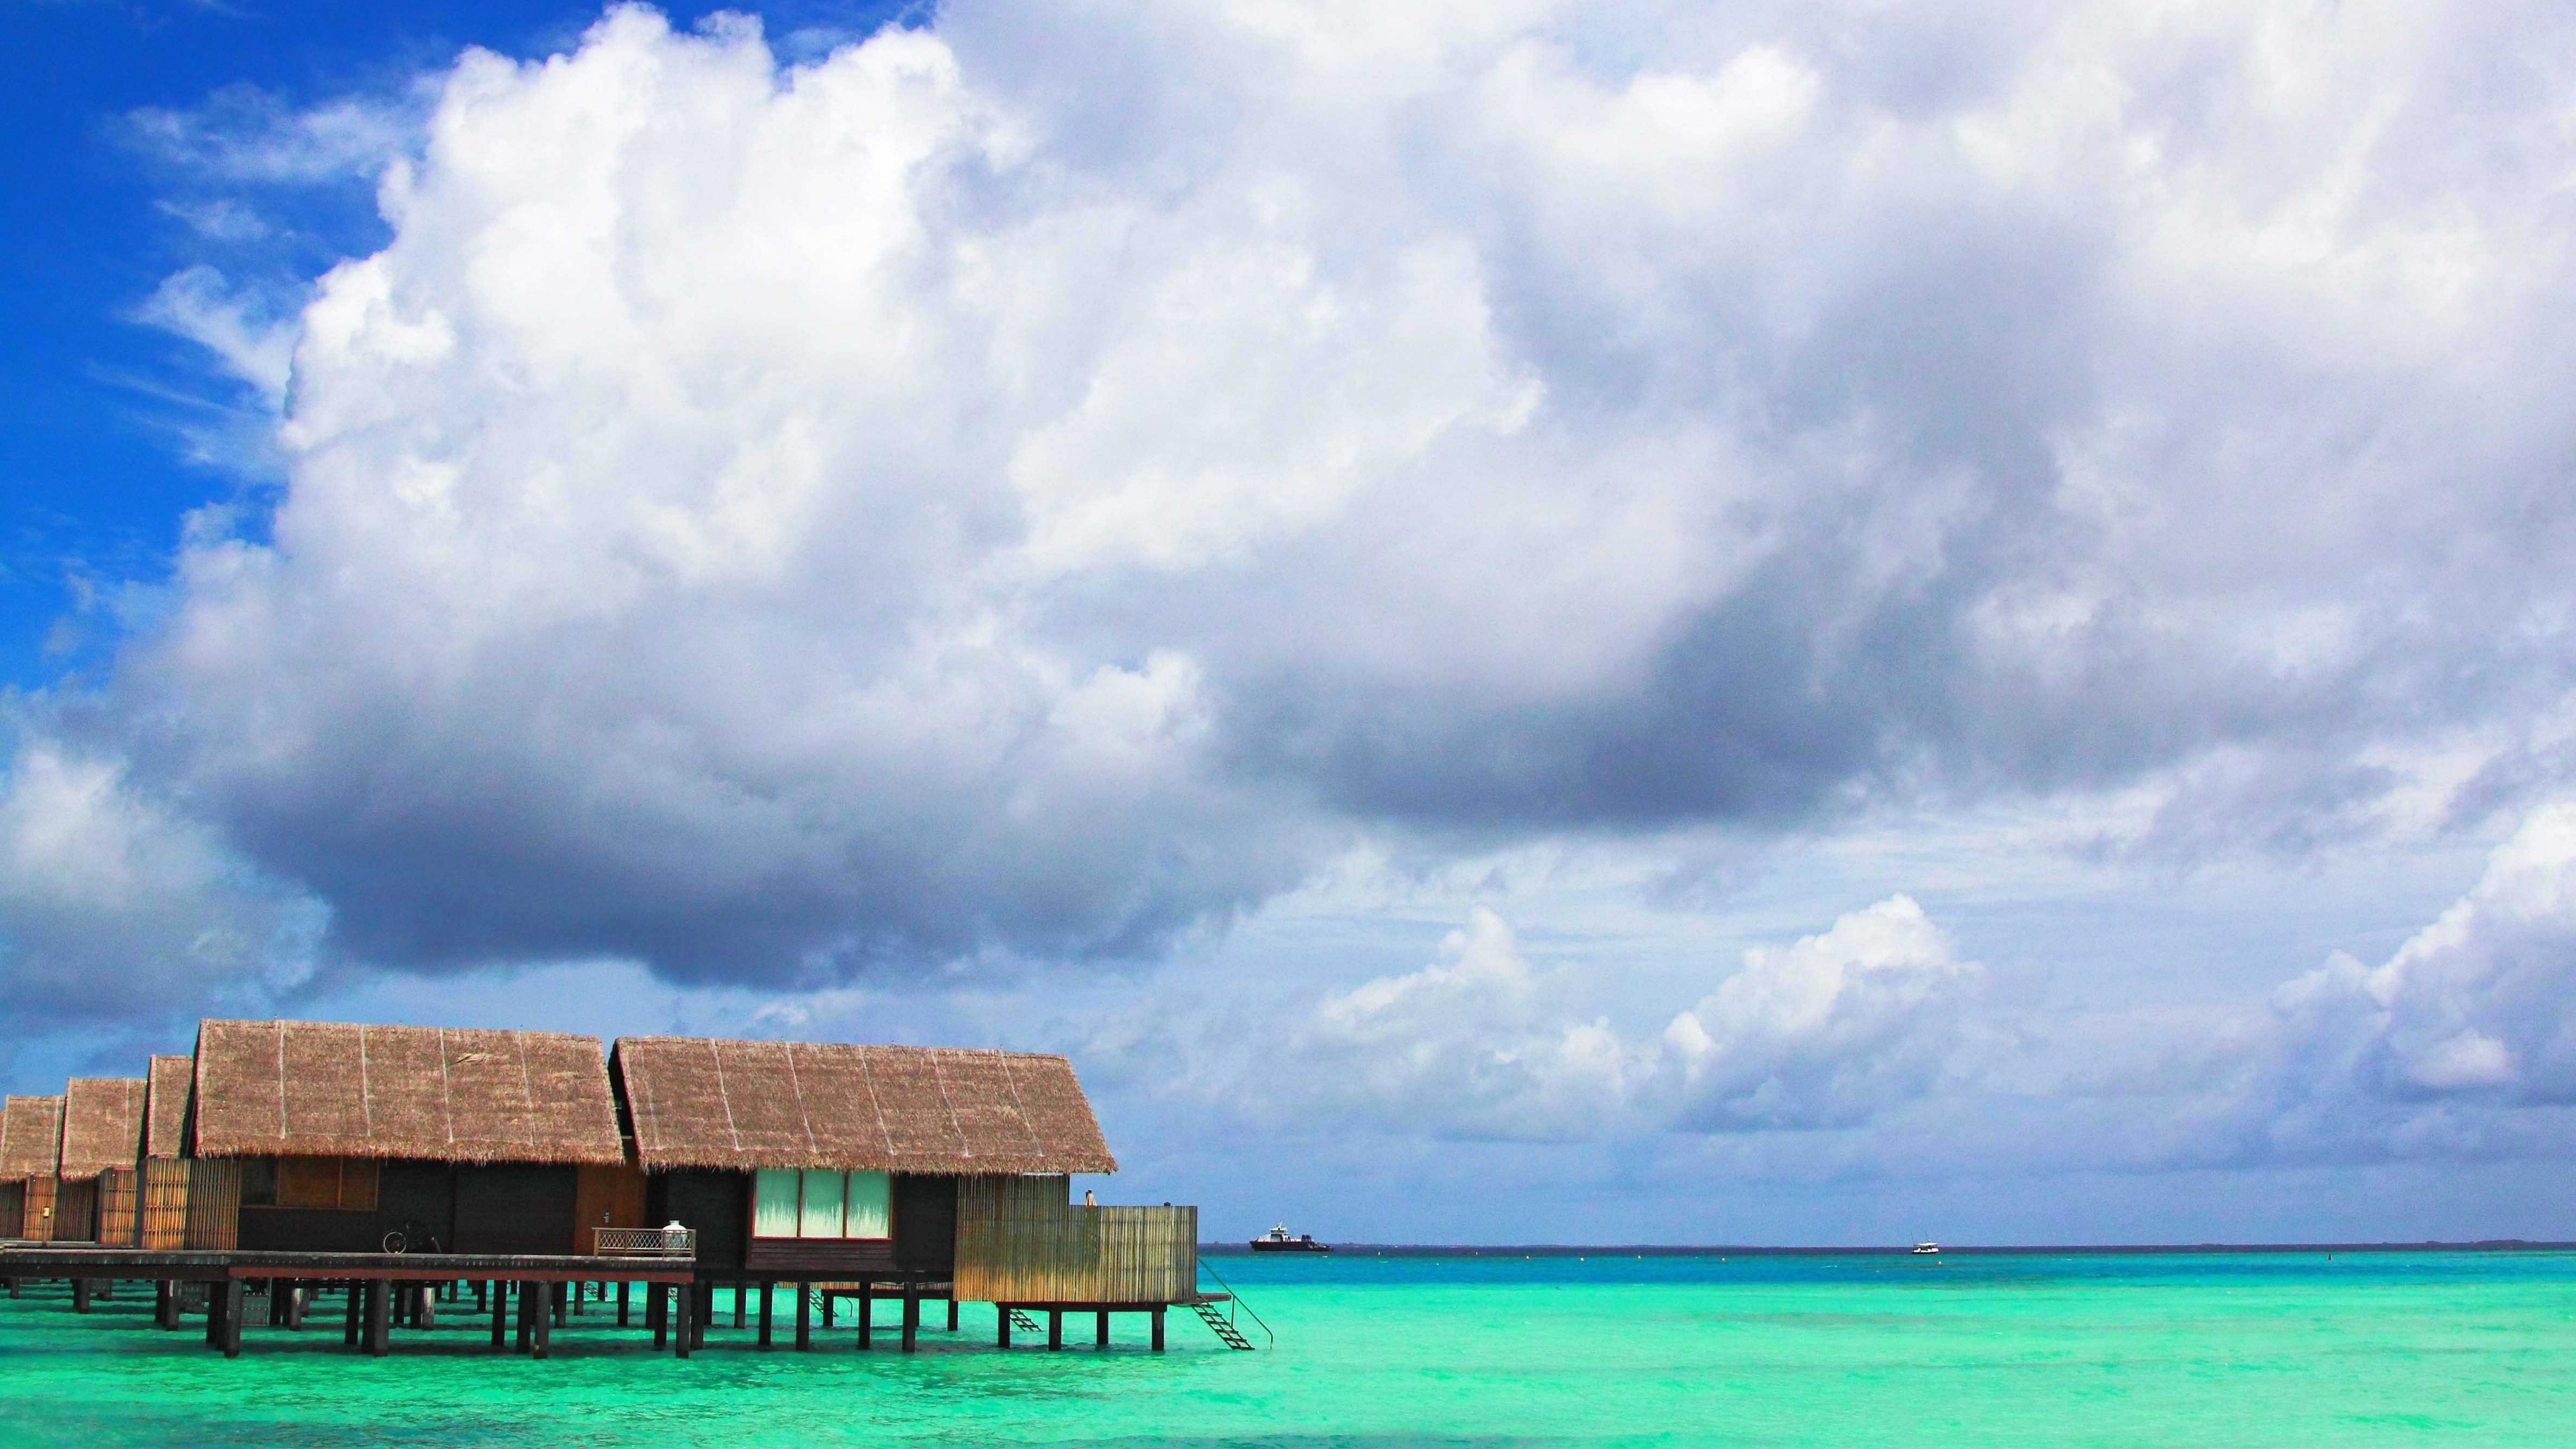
(537, 1292)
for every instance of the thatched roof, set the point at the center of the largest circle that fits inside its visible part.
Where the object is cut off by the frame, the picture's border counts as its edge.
(702, 1103)
(31, 1137)
(165, 1132)
(102, 1125)
(329, 1089)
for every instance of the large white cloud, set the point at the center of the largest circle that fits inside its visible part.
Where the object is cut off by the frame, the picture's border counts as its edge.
(1830, 1031)
(1038, 482)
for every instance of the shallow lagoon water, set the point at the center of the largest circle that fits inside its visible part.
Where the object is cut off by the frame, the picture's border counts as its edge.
(2078, 1349)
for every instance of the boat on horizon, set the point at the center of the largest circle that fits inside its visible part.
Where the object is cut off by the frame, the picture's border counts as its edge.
(1277, 1241)
(1927, 1247)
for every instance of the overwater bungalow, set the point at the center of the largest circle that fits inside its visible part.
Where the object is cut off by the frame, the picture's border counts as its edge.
(365, 1139)
(922, 1169)
(101, 1162)
(31, 1153)
(287, 1157)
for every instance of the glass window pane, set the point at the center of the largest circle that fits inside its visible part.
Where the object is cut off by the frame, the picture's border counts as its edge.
(773, 1203)
(871, 1211)
(822, 1217)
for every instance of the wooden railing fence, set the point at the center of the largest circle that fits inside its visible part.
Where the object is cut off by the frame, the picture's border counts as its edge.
(1020, 1241)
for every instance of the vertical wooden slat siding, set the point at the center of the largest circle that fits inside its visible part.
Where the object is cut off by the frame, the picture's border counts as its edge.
(118, 1192)
(13, 1202)
(214, 1205)
(39, 1211)
(76, 1211)
(165, 1205)
(1020, 1241)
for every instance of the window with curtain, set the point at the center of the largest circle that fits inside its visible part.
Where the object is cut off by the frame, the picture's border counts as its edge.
(773, 1202)
(820, 1203)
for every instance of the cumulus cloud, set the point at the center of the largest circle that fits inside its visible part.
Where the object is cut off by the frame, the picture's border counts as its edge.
(2476, 1005)
(1477, 1044)
(1830, 1031)
(116, 908)
(911, 505)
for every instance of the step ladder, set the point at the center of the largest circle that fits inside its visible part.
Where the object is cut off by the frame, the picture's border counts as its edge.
(1221, 1326)
(1227, 1323)
(1023, 1321)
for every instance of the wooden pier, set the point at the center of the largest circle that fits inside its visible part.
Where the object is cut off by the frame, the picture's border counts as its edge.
(526, 1296)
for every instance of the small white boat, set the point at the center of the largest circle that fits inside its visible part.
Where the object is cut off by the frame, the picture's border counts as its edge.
(1927, 1247)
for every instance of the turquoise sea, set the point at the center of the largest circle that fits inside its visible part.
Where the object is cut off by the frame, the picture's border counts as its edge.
(2075, 1349)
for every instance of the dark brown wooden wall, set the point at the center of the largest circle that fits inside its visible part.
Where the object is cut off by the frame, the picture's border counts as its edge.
(717, 1204)
(925, 1223)
(514, 1207)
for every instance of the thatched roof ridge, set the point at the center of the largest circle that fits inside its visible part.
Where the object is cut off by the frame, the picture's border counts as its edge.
(334, 1089)
(165, 1106)
(700, 1102)
(31, 1137)
(102, 1125)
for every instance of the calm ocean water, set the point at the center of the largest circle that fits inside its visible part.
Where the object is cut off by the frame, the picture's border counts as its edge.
(2368, 1348)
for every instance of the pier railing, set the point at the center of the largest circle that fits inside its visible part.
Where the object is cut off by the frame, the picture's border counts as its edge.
(672, 1242)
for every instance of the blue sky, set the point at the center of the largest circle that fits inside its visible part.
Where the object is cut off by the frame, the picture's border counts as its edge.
(1782, 623)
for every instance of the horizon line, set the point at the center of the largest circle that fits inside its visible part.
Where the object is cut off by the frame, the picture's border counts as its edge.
(1693, 1250)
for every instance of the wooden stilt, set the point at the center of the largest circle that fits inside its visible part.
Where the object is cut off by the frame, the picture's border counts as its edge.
(161, 1296)
(529, 1296)
(546, 1323)
(215, 1317)
(482, 1295)
(80, 1295)
(768, 1290)
(657, 1312)
(1055, 1328)
(911, 1316)
(867, 1311)
(804, 1317)
(349, 1321)
(622, 1286)
(1002, 1311)
(698, 1316)
(497, 1295)
(827, 1310)
(685, 1296)
(952, 1310)
(379, 1319)
(1158, 1328)
(292, 1304)
(232, 1317)
(741, 1292)
(558, 1296)
(1100, 1334)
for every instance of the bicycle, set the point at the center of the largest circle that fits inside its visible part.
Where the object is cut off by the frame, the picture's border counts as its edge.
(400, 1239)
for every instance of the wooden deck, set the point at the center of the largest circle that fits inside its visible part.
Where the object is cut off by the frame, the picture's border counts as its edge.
(56, 1260)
